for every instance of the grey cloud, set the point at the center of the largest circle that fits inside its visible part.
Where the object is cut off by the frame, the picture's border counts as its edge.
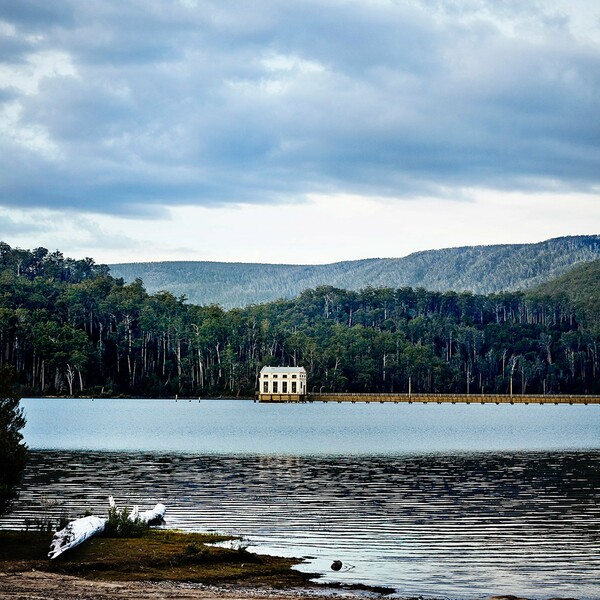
(7, 95)
(10, 227)
(267, 102)
(13, 49)
(32, 14)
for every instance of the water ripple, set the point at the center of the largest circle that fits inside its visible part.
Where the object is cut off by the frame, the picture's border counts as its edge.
(459, 526)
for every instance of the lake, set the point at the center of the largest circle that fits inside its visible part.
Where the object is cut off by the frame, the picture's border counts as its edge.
(453, 501)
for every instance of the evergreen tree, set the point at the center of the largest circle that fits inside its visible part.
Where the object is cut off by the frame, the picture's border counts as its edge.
(13, 452)
(69, 328)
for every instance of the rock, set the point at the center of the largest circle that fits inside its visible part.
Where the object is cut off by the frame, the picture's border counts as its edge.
(336, 565)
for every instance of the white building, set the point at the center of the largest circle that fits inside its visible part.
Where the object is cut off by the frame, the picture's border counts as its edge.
(281, 384)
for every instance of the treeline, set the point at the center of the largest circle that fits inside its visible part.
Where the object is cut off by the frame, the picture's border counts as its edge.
(69, 327)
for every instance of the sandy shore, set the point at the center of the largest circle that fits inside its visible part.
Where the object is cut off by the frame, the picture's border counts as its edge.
(39, 585)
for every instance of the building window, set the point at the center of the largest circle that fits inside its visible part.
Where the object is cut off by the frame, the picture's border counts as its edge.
(294, 376)
(284, 376)
(284, 387)
(265, 387)
(293, 387)
(274, 376)
(274, 387)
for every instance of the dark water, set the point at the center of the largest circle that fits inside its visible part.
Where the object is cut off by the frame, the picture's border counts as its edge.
(402, 498)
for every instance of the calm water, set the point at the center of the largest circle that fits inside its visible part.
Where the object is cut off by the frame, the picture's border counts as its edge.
(243, 427)
(434, 500)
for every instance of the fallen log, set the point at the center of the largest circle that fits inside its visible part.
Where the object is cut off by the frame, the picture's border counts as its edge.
(79, 530)
(155, 516)
(75, 533)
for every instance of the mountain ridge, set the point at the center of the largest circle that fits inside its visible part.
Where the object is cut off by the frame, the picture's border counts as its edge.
(479, 269)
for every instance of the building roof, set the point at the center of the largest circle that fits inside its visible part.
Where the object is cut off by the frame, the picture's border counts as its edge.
(283, 370)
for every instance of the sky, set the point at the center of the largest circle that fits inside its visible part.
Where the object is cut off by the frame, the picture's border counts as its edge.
(296, 131)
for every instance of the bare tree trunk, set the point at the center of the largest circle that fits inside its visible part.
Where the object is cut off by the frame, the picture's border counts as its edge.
(200, 368)
(70, 373)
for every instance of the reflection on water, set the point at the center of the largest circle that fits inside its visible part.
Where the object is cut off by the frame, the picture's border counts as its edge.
(461, 525)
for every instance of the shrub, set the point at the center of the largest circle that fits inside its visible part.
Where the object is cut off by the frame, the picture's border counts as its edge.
(120, 524)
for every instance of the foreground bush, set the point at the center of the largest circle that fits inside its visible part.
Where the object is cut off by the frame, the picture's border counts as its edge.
(121, 525)
(13, 452)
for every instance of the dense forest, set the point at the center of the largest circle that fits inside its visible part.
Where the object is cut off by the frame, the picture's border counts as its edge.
(68, 327)
(478, 269)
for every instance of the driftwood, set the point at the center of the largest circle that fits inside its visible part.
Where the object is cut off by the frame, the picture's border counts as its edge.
(79, 530)
(155, 516)
(75, 533)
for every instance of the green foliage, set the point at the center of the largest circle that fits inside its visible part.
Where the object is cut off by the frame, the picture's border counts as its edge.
(121, 525)
(101, 337)
(579, 288)
(13, 453)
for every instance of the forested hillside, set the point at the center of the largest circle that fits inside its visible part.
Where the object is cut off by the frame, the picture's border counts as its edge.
(68, 327)
(578, 287)
(478, 269)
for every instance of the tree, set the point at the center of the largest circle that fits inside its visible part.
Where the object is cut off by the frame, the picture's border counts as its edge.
(13, 452)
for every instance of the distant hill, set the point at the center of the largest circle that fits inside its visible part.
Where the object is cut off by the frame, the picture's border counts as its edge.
(480, 269)
(579, 287)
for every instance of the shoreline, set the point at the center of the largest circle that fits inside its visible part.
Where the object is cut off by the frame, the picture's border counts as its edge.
(166, 564)
(125, 397)
(190, 562)
(28, 585)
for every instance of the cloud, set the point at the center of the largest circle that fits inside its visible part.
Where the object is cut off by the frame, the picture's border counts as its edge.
(126, 107)
(31, 15)
(341, 228)
(76, 235)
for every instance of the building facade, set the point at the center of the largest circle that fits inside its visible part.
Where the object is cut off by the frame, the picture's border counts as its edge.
(282, 384)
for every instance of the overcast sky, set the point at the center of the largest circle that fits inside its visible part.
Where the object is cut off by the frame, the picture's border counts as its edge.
(304, 131)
